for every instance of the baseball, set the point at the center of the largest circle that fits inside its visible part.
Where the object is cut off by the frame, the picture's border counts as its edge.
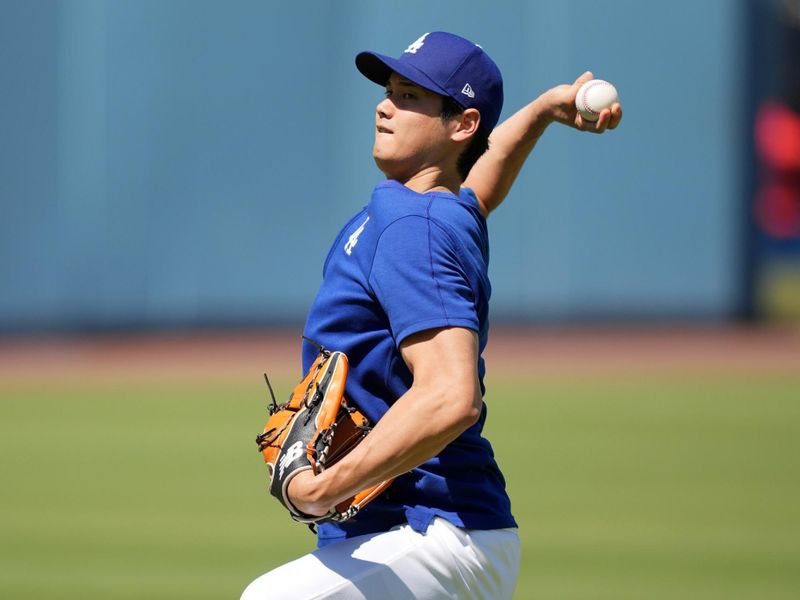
(593, 97)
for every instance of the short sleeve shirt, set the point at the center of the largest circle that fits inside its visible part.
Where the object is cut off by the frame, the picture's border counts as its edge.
(407, 263)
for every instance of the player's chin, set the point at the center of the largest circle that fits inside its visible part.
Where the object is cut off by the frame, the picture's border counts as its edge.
(382, 164)
(391, 169)
(393, 161)
(383, 145)
(382, 158)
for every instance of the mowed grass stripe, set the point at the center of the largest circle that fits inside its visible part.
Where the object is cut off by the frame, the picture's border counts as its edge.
(659, 489)
(624, 487)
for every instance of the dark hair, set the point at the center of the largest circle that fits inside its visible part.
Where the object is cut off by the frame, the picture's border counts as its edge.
(477, 145)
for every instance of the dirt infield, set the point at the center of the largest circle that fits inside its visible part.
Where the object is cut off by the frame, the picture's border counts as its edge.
(517, 350)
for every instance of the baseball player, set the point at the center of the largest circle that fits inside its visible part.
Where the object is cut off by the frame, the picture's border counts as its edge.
(405, 296)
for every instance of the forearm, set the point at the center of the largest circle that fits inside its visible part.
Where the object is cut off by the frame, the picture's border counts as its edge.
(512, 141)
(509, 146)
(405, 437)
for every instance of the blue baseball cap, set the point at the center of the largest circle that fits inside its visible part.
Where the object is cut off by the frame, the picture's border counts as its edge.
(448, 65)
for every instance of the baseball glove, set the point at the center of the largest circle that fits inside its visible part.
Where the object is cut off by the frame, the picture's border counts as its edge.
(313, 430)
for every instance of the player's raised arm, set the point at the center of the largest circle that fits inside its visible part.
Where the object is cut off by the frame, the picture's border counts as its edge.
(513, 140)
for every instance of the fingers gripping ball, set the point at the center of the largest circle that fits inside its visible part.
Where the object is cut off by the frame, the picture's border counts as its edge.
(594, 96)
(313, 430)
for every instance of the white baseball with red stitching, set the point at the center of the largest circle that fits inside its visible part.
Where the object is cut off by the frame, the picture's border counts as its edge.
(593, 96)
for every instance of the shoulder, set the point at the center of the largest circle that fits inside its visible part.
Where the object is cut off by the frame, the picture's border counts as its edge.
(401, 218)
(461, 217)
(462, 210)
(392, 201)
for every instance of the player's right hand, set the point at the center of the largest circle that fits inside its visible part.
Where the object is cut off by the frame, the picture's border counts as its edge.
(302, 491)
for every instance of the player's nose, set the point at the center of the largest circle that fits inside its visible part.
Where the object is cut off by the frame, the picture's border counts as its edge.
(385, 109)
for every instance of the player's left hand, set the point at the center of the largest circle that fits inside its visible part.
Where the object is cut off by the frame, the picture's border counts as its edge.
(560, 101)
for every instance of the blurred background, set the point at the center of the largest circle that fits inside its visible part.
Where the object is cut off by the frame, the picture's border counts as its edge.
(172, 174)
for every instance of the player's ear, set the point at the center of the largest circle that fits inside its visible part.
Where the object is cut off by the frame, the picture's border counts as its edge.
(467, 125)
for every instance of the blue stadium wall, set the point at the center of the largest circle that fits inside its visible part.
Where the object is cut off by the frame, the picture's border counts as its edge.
(188, 163)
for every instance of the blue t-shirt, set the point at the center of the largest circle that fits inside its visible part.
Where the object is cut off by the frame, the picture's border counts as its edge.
(406, 263)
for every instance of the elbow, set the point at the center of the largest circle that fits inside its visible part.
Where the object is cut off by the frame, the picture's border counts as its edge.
(471, 410)
(463, 407)
(468, 419)
(453, 403)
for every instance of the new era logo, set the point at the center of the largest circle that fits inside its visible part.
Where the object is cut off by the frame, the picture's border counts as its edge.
(468, 91)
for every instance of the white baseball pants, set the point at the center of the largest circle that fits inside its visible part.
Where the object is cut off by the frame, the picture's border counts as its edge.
(401, 564)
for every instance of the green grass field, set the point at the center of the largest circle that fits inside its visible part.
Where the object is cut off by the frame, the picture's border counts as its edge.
(669, 487)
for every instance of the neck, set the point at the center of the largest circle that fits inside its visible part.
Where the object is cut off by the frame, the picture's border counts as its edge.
(433, 180)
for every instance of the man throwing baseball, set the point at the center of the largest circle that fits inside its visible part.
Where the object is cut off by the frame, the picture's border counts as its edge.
(405, 295)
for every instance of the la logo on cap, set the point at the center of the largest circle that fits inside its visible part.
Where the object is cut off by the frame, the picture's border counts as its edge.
(447, 65)
(412, 49)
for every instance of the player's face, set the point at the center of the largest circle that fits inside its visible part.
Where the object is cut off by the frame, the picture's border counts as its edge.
(410, 135)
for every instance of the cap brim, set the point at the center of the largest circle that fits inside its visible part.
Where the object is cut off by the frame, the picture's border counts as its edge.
(378, 68)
